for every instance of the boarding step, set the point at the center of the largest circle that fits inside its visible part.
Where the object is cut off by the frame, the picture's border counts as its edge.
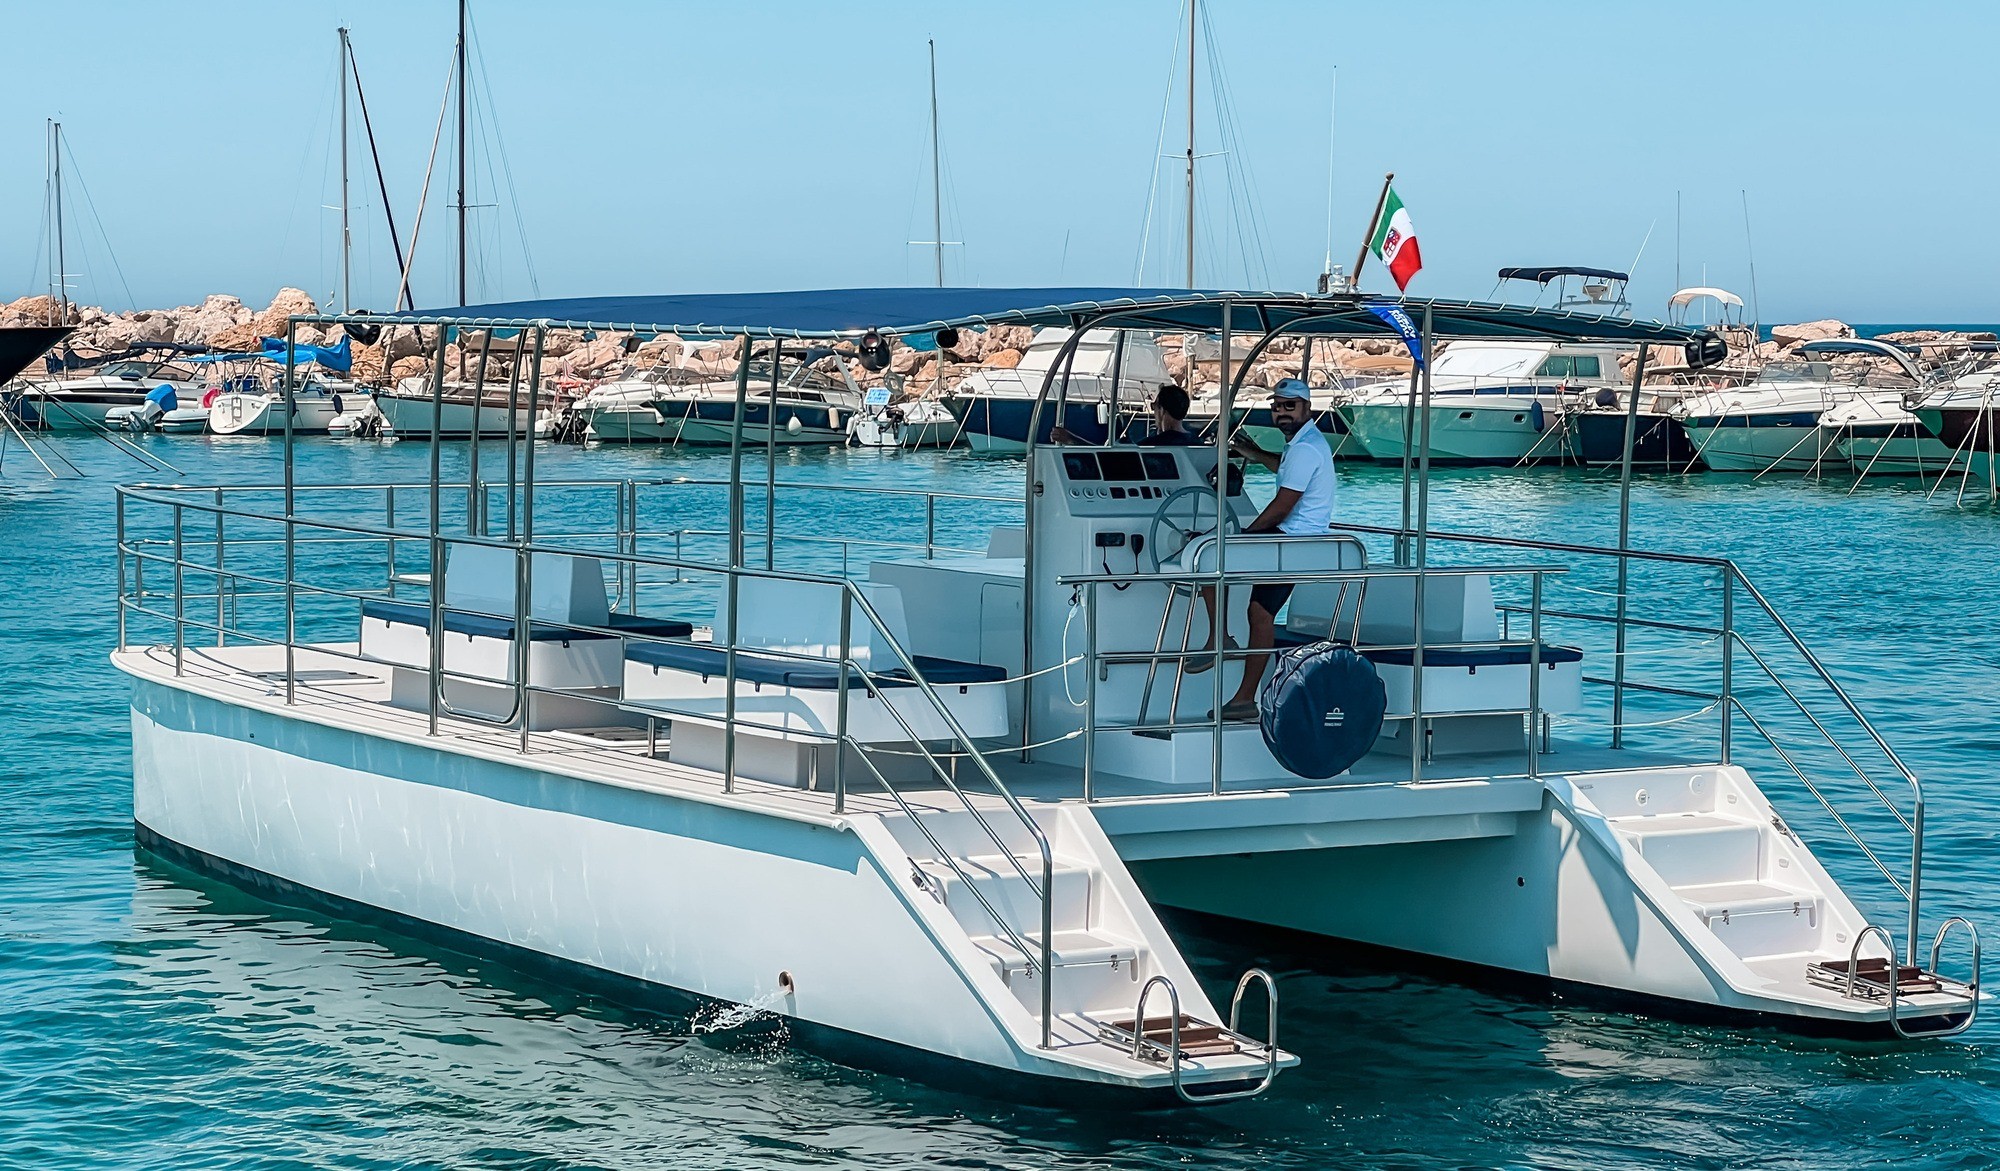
(1757, 920)
(1073, 949)
(1872, 977)
(999, 881)
(1696, 849)
(1726, 900)
(1198, 1038)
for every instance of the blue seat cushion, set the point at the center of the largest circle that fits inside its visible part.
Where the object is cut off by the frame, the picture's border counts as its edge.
(1481, 656)
(650, 627)
(469, 623)
(709, 661)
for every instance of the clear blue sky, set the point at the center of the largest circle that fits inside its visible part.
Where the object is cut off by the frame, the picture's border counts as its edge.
(670, 147)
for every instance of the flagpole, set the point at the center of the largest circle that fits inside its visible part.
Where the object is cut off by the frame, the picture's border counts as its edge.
(1374, 221)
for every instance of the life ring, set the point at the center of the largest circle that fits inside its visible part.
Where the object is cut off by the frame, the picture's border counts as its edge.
(208, 399)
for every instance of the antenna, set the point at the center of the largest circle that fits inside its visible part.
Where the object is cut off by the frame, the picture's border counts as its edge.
(1634, 266)
(1333, 106)
(937, 172)
(1677, 242)
(1756, 309)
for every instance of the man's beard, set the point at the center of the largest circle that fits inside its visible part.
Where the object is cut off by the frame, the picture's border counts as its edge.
(1288, 425)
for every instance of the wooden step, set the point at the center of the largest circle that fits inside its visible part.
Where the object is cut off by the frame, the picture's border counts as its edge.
(1198, 1038)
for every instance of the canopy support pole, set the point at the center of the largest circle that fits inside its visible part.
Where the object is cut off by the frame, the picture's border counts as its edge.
(771, 463)
(1218, 632)
(1417, 736)
(731, 586)
(1625, 544)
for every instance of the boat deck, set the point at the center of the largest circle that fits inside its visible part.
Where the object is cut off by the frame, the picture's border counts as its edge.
(1459, 797)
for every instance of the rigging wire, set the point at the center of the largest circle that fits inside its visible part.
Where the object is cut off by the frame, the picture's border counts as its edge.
(1159, 149)
(90, 205)
(506, 163)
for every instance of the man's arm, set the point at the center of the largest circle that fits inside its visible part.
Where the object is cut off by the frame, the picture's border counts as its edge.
(1250, 449)
(1274, 513)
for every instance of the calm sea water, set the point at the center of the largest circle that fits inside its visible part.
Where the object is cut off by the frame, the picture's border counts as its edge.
(152, 1018)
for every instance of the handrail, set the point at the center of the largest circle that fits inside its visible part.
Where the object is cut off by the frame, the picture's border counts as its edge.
(523, 550)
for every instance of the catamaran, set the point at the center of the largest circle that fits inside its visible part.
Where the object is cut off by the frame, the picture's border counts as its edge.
(922, 797)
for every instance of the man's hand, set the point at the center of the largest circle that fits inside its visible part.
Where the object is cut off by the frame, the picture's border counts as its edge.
(1242, 444)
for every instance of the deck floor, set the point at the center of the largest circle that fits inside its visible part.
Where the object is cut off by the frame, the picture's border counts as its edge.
(334, 686)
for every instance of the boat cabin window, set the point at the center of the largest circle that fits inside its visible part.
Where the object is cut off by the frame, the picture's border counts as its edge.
(1570, 366)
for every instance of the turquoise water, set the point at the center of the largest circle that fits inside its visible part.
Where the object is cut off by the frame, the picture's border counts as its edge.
(153, 1018)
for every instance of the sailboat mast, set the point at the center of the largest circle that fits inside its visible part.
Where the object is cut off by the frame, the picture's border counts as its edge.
(461, 152)
(1190, 145)
(346, 236)
(62, 263)
(937, 172)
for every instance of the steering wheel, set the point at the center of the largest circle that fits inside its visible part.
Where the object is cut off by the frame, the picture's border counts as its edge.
(1184, 516)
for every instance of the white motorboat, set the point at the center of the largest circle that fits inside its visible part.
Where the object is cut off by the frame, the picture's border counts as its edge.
(622, 411)
(81, 403)
(1504, 402)
(884, 421)
(1876, 435)
(1773, 423)
(994, 406)
(414, 409)
(922, 802)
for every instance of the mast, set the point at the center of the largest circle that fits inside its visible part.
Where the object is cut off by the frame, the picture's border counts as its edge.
(461, 152)
(62, 263)
(1190, 145)
(346, 236)
(937, 173)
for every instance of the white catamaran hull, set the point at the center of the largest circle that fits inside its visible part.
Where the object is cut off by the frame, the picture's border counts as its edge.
(805, 916)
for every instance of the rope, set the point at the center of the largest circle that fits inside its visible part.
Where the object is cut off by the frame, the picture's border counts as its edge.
(967, 755)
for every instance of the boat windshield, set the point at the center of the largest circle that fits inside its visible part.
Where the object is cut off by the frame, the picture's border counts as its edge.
(1486, 360)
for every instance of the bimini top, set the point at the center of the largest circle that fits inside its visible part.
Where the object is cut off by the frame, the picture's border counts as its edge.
(847, 313)
(1543, 276)
(1722, 295)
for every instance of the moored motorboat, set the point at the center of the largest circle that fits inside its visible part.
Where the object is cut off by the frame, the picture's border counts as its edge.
(1773, 423)
(994, 407)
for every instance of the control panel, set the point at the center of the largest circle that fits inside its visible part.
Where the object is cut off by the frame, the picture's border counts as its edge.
(1126, 481)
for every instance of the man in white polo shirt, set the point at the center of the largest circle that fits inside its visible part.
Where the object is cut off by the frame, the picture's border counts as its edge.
(1303, 505)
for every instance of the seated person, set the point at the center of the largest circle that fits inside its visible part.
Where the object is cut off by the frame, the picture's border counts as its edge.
(1170, 409)
(1303, 506)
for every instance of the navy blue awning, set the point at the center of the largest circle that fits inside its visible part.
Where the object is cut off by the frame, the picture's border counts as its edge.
(1543, 276)
(837, 313)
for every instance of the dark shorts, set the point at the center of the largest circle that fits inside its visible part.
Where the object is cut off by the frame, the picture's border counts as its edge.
(1272, 596)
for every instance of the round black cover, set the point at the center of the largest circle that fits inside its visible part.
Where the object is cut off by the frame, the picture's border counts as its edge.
(1321, 709)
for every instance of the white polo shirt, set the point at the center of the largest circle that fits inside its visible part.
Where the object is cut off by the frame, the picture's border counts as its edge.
(1307, 468)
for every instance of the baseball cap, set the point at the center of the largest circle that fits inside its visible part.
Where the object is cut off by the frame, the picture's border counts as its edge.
(1291, 388)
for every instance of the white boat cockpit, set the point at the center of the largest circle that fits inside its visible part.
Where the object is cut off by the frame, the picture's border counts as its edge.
(917, 769)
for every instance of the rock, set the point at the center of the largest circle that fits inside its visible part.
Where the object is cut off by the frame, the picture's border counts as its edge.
(409, 368)
(1788, 336)
(1003, 359)
(905, 361)
(1008, 337)
(271, 322)
(234, 337)
(39, 309)
(217, 312)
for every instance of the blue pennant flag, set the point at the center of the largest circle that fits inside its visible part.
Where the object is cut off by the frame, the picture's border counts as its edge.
(1399, 321)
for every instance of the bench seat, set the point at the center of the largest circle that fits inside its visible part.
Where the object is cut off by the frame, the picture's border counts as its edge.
(710, 661)
(477, 625)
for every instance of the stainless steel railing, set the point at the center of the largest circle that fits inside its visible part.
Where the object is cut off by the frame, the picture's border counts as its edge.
(1861, 748)
(135, 552)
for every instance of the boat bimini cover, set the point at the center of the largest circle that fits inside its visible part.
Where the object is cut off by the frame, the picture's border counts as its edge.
(1321, 709)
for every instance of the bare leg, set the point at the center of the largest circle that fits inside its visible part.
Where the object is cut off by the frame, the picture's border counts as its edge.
(1263, 636)
(1208, 600)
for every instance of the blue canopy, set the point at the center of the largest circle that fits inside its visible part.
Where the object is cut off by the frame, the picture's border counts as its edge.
(1543, 276)
(338, 357)
(838, 313)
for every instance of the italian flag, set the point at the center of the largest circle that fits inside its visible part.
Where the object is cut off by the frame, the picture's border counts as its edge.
(1395, 241)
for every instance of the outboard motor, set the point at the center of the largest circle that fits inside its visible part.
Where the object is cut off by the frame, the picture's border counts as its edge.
(159, 401)
(1321, 709)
